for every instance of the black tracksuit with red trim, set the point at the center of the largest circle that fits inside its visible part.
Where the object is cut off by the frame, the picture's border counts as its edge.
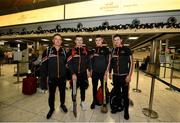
(78, 62)
(99, 62)
(121, 64)
(54, 67)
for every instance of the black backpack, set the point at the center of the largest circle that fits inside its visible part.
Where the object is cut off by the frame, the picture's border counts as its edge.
(116, 101)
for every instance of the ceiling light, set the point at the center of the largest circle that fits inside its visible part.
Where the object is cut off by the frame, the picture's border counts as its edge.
(163, 44)
(66, 45)
(67, 39)
(3, 41)
(18, 40)
(133, 38)
(126, 44)
(44, 39)
(90, 39)
(172, 47)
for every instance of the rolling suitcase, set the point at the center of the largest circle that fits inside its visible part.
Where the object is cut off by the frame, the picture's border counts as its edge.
(29, 85)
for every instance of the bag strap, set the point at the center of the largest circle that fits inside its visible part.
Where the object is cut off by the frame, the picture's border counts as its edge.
(48, 51)
(64, 52)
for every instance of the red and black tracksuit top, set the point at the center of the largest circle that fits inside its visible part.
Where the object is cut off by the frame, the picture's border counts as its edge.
(78, 60)
(54, 62)
(120, 61)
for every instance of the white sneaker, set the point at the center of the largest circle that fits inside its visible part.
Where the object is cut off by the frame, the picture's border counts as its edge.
(45, 91)
(40, 90)
(83, 106)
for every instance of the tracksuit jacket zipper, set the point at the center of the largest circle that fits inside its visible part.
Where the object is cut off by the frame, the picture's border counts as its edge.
(118, 61)
(79, 62)
(58, 64)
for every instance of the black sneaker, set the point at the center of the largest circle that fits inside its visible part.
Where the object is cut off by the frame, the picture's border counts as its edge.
(126, 115)
(113, 111)
(63, 107)
(50, 113)
(93, 105)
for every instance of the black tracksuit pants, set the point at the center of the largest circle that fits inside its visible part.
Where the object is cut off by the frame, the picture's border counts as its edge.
(95, 78)
(61, 84)
(43, 83)
(119, 82)
(82, 81)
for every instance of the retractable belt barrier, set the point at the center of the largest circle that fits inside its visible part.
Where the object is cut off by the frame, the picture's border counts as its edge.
(18, 74)
(137, 78)
(171, 87)
(149, 111)
(164, 82)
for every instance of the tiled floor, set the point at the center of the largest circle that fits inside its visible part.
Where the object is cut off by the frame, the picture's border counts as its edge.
(14, 106)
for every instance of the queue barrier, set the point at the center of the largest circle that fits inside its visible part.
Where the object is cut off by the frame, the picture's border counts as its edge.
(149, 111)
(137, 78)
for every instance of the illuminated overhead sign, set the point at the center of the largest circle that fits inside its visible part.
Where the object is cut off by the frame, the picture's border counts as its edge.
(33, 16)
(112, 7)
(91, 8)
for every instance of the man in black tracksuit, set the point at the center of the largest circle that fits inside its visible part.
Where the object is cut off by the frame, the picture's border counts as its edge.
(79, 62)
(99, 61)
(122, 65)
(54, 67)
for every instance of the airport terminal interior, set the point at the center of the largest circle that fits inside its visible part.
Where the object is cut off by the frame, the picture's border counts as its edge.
(152, 34)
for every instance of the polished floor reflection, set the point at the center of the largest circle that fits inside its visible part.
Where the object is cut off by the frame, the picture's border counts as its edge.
(14, 106)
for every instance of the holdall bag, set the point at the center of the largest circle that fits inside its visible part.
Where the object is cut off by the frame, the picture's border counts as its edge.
(99, 95)
(116, 101)
(29, 85)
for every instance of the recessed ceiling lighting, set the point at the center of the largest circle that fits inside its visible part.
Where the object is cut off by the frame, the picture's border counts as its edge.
(45, 45)
(126, 44)
(172, 47)
(163, 44)
(66, 44)
(90, 39)
(67, 39)
(18, 40)
(3, 41)
(44, 39)
(133, 38)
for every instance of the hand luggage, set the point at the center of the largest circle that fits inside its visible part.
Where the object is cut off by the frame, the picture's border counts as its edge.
(116, 101)
(99, 95)
(29, 85)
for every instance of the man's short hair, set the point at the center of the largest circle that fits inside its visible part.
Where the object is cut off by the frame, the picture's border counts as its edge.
(99, 36)
(117, 35)
(57, 34)
(78, 36)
